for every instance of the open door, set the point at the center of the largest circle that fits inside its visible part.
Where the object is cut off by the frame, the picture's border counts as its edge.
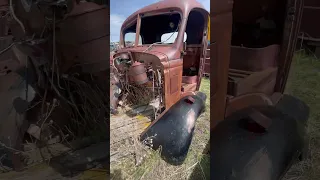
(206, 36)
(220, 42)
(293, 17)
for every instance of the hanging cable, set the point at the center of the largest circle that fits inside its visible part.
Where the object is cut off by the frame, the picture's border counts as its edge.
(16, 18)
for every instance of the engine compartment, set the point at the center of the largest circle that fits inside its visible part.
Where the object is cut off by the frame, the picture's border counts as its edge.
(139, 79)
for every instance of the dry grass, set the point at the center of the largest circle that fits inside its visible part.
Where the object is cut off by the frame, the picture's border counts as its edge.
(304, 83)
(196, 165)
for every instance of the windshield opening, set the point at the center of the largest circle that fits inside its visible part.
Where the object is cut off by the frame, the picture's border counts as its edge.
(161, 29)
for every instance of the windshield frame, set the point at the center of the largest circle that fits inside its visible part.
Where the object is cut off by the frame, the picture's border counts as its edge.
(137, 21)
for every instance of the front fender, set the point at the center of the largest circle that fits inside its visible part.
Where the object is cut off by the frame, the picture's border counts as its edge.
(173, 131)
(237, 153)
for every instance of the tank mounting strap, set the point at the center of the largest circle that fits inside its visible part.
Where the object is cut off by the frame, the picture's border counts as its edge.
(260, 118)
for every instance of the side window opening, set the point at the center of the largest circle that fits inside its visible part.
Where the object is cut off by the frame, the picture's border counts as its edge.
(129, 39)
(169, 38)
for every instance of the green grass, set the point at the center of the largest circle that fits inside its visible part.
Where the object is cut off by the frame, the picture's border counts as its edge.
(196, 165)
(304, 83)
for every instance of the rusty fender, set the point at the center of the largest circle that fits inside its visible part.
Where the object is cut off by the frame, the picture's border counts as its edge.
(264, 146)
(173, 130)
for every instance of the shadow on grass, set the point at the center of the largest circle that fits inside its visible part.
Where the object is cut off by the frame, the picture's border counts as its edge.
(145, 110)
(202, 169)
(76, 162)
(116, 175)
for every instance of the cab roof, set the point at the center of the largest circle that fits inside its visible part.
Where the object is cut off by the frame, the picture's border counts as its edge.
(185, 6)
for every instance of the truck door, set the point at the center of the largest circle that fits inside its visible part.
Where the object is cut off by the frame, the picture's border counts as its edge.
(220, 43)
(205, 39)
(292, 23)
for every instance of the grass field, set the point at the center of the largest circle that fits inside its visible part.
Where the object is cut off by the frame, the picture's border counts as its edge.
(304, 83)
(196, 165)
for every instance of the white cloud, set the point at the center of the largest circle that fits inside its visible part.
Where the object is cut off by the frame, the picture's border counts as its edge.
(115, 26)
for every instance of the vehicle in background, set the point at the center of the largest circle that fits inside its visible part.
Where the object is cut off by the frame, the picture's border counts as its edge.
(309, 36)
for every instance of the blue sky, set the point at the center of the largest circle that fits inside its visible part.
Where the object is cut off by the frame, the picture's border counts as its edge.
(121, 9)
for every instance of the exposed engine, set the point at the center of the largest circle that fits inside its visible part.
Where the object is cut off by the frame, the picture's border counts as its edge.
(135, 83)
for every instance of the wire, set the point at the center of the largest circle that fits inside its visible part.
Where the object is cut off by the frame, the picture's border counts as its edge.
(27, 82)
(16, 18)
(164, 40)
(7, 48)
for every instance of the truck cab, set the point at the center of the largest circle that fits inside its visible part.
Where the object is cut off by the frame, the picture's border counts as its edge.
(161, 70)
(257, 131)
(170, 37)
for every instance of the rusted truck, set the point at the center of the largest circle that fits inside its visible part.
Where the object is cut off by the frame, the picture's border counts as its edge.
(257, 132)
(166, 74)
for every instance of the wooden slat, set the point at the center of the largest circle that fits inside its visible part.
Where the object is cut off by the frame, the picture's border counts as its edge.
(124, 127)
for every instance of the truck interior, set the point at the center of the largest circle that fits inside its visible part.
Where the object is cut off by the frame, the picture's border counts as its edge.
(154, 27)
(194, 48)
(257, 30)
(163, 29)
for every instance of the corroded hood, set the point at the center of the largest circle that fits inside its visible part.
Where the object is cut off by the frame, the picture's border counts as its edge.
(163, 52)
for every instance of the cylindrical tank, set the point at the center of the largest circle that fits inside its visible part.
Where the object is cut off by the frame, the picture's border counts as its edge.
(137, 73)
